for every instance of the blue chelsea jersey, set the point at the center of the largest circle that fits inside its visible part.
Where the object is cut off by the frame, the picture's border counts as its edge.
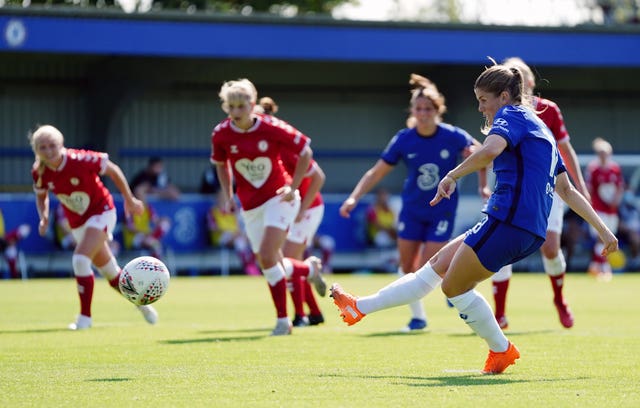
(525, 171)
(428, 160)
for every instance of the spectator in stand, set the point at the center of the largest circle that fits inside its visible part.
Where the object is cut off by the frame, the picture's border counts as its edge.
(304, 228)
(153, 181)
(8, 244)
(553, 260)
(430, 149)
(606, 185)
(226, 230)
(381, 229)
(209, 183)
(381, 221)
(145, 231)
(246, 148)
(73, 175)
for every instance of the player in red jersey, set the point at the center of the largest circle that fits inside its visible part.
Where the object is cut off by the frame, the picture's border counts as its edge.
(73, 176)
(246, 147)
(303, 231)
(552, 257)
(301, 236)
(606, 184)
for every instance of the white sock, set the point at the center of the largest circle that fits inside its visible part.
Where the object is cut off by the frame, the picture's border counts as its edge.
(476, 312)
(409, 288)
(556, 266)
(81, 265)
(417, 310)
(109, 270)
(274, 274)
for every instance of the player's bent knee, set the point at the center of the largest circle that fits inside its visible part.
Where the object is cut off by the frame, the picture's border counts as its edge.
(81, 265)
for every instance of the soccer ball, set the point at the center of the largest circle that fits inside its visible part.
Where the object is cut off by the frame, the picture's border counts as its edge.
(144, 280)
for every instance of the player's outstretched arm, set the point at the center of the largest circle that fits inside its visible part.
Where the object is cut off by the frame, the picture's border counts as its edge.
(578, 203)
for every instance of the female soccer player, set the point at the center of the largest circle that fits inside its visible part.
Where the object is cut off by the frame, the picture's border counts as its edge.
(248, 146)
(304, 228)
(553, 260)
(528, 168)
(74, 177)
(429, 149)
(606, 184)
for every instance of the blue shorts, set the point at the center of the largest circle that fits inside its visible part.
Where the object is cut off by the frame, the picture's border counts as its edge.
(414, 226)
(498, 244)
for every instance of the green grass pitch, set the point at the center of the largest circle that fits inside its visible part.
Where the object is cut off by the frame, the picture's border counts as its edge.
(211, 348)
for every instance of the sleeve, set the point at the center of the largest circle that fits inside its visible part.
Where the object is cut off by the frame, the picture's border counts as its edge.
(38, 184)
(103, 160)
(504, 125)
(556, 123)
(392, 153)
(90, 160)
(291, 138)
(466, 139)
(560, 168)
(218, 152)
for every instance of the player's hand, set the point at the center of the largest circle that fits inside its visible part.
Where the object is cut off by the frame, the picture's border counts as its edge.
(610, 243)
(446, 187)
(43, 226)
(135, 206)
(348, 206)
(229, 205)
(286, 193)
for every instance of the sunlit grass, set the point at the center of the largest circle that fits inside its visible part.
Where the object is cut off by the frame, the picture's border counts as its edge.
(212, 348)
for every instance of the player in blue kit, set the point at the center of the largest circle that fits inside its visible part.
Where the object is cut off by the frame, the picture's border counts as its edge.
(429, 150)
(528, 168)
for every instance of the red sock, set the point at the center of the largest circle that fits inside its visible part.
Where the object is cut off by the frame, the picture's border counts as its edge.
(298, 294)
(557, 282)
(598, 258)
(300, 269)
(13, 268)
(85, 291)
(326, 256)
(500, 297)
(114, 282)
(279, 296)
(311, 300)
(12, 236)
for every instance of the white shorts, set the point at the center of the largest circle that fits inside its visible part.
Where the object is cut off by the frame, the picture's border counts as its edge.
(273, 213)
(303, 232)
(105, 222)
(556, 214)
(610, 220)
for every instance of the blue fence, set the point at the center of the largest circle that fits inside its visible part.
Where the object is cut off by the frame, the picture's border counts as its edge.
(188, 217)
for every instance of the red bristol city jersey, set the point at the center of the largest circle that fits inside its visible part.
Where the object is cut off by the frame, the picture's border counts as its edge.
(76, 183)
(550, 114)
(604, 181)
(254, 156)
